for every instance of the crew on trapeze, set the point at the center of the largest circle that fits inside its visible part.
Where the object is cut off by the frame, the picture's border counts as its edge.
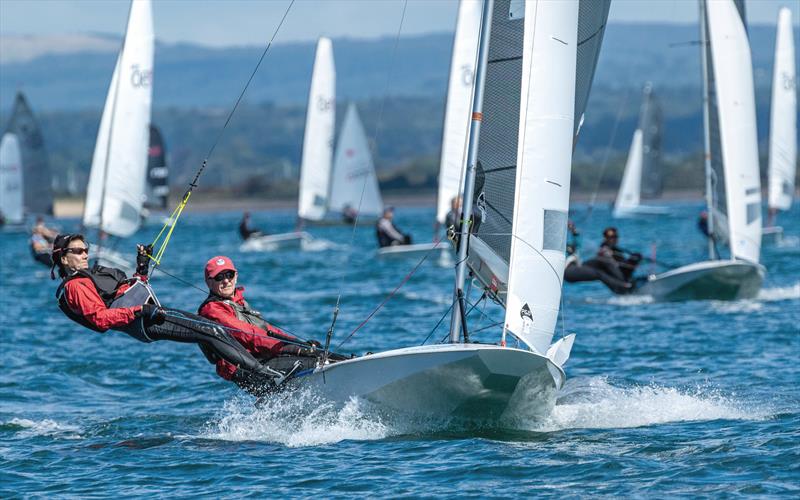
(103, 298)
(272, 346)
(247, 232)
(387, 232)
(613, 266)
(41, 242)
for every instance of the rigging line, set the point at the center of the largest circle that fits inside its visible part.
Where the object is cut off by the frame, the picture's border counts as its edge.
(391, 294)
(606, 157)
(173, 220)
(446, 313)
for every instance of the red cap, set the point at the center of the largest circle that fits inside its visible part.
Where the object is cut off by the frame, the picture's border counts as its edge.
(216, 265)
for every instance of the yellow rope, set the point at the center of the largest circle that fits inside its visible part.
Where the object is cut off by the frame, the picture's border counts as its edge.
(173, 219)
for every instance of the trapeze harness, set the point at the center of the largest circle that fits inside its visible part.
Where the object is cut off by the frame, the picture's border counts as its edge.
(179, 326)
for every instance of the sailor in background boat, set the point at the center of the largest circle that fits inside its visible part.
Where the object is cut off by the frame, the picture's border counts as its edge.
(453, 217)
(617, 261)
(603, 268)
(245, 231)
(41, 242)
(227, 306)
(349, 214)
(388, 234)
(103, 298)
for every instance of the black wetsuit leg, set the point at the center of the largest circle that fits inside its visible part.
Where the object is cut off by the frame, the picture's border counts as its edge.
(586, 272)
(188, 328)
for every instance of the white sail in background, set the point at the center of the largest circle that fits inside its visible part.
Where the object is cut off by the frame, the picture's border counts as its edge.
(459, 104)
(783, 119)
(732, 70)
(544, 157)
(353, 171)
(11, 187)
(315, 170)
(630, 190)
(117, 181)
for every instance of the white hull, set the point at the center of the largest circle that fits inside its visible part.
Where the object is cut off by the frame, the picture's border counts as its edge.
(472, 381)
(276, 242)
(709, 280)
(639, 210)
(417, 250)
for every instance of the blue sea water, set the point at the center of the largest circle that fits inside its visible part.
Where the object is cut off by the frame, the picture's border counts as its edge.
(677, 399)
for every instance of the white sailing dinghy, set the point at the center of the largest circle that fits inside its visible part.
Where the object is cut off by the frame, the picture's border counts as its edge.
(783, 127)
(11, 186)
(642, 176)
(527, 87)
(116, 189)
(456, 126)
(733, 186)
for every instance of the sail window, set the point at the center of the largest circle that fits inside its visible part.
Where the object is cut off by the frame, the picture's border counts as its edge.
(753, 212)
(516, 9)
(555, 230)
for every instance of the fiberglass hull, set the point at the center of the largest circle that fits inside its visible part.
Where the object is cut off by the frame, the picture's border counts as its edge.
(470, 381)
(276, 242)
(710, 280)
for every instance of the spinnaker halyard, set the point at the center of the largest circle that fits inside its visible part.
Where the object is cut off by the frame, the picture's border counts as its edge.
(520, 148)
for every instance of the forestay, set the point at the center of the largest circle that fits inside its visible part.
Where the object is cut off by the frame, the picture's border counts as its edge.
(119, 167)
(37, 195)
(11, 180)
(315, 170)
(459, 103)
(736, 185)
(783, 119)
(353, 171)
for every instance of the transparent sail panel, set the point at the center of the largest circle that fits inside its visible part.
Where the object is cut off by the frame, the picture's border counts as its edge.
(650, 123)
(591, 28)
(37, 193)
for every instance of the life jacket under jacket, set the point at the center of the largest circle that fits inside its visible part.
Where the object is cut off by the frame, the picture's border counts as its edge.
(243, 311)
(106, 281)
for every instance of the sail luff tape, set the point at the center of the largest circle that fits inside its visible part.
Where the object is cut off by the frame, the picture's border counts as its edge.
(477, 117)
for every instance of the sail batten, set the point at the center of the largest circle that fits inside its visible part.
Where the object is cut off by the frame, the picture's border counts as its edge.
(783, 118)
(315, 170)
(117, 181)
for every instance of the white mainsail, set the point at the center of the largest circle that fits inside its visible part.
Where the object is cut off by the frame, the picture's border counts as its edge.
(783, 119)
(315, 170)
(117, 180)
(11, 186)
(734, 146)
(459, 104)
(630, 189)
(353, 171)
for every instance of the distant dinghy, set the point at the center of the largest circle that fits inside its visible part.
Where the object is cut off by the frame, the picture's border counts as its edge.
(456, 127)
(733, 185)
(783, 126)
(527, 80)
(117, 180)
(643, 175)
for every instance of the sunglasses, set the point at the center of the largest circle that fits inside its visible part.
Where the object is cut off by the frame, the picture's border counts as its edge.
(77, 251)
(224, 275)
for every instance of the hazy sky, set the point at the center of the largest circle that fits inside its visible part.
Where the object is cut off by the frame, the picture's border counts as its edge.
(231, 22)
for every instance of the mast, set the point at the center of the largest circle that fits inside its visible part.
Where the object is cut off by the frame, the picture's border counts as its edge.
(459, 311)
(706, 133)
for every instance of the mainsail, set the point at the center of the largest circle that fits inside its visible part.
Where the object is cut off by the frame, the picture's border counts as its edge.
(37, 193)
(630, 189)
(157, 192)
(783, 119)
(354, 183)
(11, 180)
(735, 185)
(117, 180)
(459, 103)
(540, 64)
(315, 171)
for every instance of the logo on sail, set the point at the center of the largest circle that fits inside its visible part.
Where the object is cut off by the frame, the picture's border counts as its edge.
(481, 204)
(527, 318)
(141, 77)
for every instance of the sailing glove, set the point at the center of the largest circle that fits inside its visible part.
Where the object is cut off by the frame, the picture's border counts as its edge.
(153, 315)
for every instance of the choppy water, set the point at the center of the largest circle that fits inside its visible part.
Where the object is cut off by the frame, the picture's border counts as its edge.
(696, 398)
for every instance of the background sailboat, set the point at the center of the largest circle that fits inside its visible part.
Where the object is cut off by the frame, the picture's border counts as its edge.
(733, 186)
(643, 175)
(456, 125)
(783, 125)
(116, 189)
(37, 194)
(11, 182)
(527, 89)
(157, 190)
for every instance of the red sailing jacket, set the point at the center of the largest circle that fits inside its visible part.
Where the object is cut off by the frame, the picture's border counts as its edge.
(256, 340)
(83, 299)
